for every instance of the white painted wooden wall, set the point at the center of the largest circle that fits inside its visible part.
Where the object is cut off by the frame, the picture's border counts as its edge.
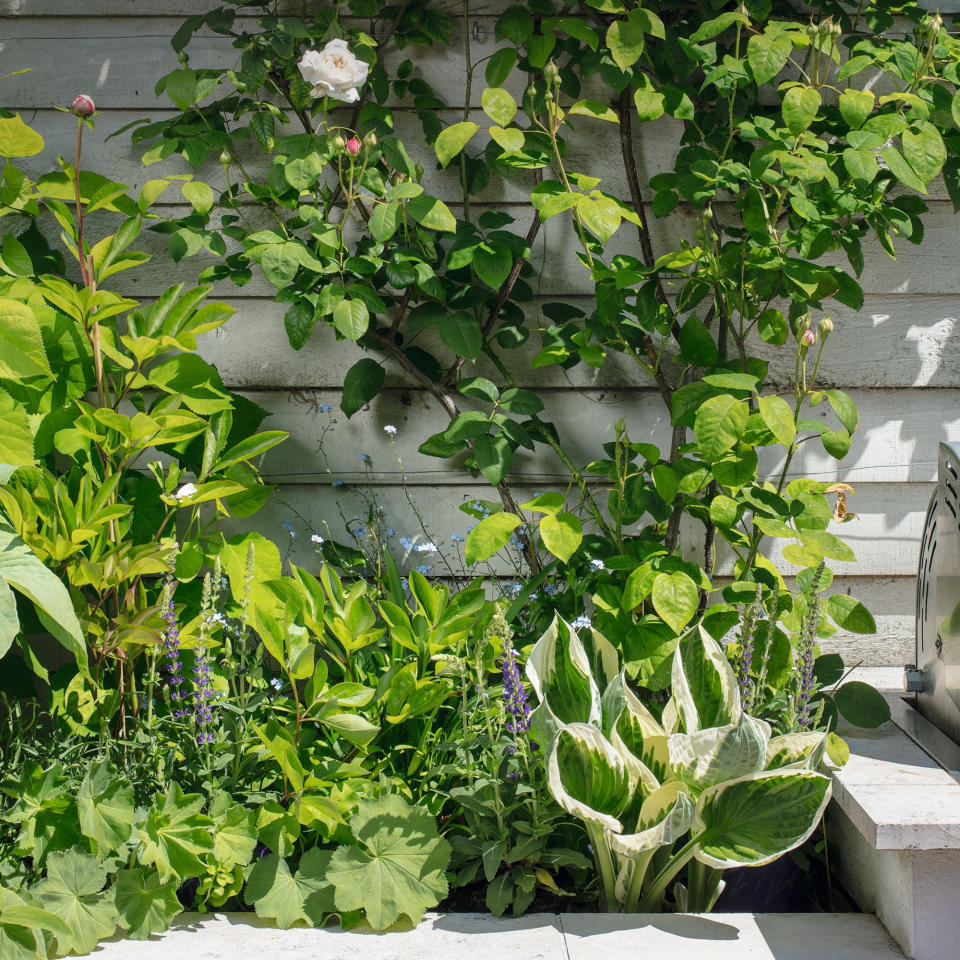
(899, 356)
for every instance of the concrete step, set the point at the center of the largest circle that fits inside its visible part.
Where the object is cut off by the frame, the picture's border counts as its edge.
(537, 936)
(896, 819)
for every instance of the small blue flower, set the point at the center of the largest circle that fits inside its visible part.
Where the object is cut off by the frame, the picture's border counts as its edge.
(290, 528)
(276, 683)
(338, 483)
(324, 407)
(390, 532)
(457, 538)
(365, 458)
(471, 526)
(513, 589)
(582, 622)
(551, 589)
(406, 543)
(425, 569)
(358, 532)
(596, 564)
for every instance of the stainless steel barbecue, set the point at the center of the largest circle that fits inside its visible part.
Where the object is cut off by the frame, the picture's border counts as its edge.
(935, 678)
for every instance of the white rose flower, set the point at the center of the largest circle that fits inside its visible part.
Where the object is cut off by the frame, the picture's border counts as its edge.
(334, 72)
(187, 490)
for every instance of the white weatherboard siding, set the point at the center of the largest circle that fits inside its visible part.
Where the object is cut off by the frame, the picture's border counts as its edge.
(899, 356)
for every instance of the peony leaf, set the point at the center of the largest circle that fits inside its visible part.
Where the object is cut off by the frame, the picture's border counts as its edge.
(396, 868)
(490, 535)
(675, 599)
(561, 534)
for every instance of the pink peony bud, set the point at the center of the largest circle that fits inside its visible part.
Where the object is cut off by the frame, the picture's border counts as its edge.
(82, 105)
(353, 146)
(808, 338)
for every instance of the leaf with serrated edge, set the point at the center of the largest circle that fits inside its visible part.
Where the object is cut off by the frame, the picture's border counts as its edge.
(396, 868)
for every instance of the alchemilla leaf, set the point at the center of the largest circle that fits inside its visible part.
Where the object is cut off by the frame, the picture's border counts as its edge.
(73, 890)
(396, 868)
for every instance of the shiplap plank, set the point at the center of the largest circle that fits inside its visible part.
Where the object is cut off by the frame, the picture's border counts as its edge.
(655, 147)
(885, 536)
(896, 443)
(185, 8)
(117, 60)
(921, 332)
(918, 270)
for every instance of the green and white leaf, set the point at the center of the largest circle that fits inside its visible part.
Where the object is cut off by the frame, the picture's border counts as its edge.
(704, 685)
(637, 732)
(588, 777)
(756, 819)
(560, 672)
(795, 750)
(715, 754)
(666, 815)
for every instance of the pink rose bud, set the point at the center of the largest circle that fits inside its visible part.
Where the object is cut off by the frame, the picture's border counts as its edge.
(809, 338)
(353, 146)
(82, 105)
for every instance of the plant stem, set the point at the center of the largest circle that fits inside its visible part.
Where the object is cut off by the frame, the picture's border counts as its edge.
(663, 878)
(608, 876)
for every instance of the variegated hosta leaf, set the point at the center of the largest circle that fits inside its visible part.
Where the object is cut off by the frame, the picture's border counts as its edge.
(670, 719)
(637, 732)
(560, 672)
(719, 753)
(704, 684)
(753, 820)
(602, 656)
(665, 817)
(611, 703)
(587, 776)
(801, 750)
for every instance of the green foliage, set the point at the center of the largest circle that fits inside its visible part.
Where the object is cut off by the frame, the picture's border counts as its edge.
(732, 794)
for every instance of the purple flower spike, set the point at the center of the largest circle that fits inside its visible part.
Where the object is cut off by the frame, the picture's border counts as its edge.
(171, 653)
(514, 694)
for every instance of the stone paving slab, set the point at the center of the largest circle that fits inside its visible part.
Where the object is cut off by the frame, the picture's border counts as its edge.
(538, 936)
(727, 936)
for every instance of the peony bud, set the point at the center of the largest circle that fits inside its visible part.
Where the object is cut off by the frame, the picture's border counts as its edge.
(551, 72)
(82, 105)
(808, 338)
(826, 326)
(353, 146)
(370, 140)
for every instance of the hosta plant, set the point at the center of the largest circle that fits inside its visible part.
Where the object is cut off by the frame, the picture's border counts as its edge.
(703, 787)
